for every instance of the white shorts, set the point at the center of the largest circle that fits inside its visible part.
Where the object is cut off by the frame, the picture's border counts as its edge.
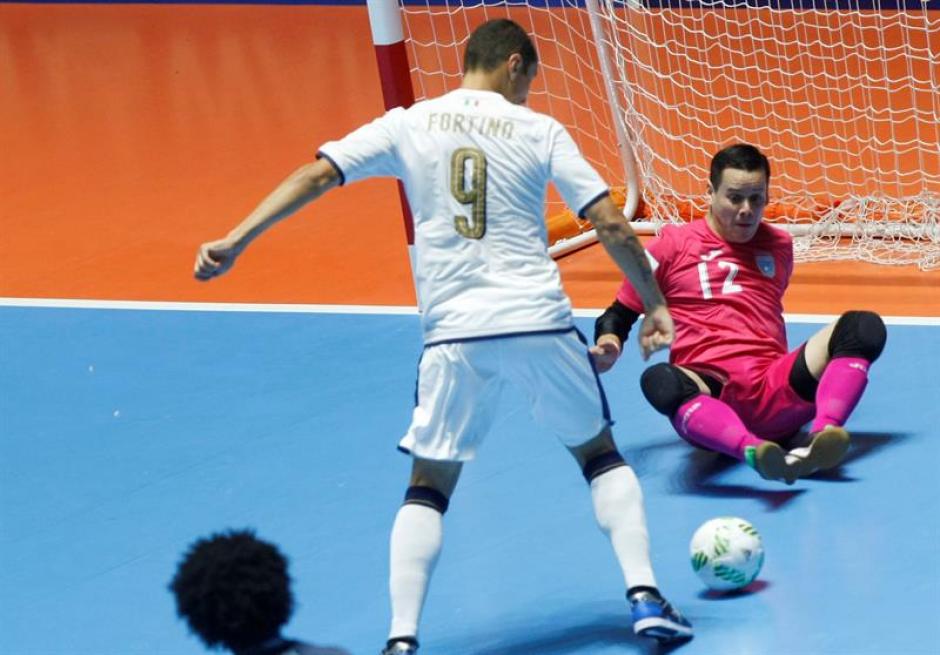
(459, 386)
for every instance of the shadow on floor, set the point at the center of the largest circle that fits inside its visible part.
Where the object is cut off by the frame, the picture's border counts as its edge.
(699, 470)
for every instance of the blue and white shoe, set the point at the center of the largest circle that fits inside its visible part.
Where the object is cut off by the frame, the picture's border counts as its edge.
(654, 617)
(401, 646)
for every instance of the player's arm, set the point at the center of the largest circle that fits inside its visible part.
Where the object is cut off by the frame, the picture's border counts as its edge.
(611, 330)
(623, 246)
(304, 185)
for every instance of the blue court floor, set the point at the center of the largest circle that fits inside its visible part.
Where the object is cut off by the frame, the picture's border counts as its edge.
(126, 434)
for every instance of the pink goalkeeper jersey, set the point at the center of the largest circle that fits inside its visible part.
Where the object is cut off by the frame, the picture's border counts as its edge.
(725, 298)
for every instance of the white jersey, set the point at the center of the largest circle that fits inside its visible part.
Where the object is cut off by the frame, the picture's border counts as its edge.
(475, 169)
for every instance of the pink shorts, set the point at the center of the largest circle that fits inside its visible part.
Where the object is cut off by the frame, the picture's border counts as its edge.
(764, 400)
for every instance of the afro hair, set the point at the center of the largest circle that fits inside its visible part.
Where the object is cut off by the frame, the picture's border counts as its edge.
(233, 590)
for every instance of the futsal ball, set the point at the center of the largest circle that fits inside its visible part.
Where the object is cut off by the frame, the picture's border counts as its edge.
(727, 553)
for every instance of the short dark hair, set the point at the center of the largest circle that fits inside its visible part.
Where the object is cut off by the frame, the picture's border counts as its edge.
(742, 156)
(233, 590)
(494, 41)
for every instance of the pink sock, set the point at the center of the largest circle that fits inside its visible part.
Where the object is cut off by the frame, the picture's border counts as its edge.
(710, 423)
(840, 388)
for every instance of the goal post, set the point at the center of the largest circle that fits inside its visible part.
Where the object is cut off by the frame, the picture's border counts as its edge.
(391, 56)
(843, 96)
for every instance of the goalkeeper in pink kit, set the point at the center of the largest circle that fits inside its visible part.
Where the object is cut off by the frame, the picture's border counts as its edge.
(730, 385)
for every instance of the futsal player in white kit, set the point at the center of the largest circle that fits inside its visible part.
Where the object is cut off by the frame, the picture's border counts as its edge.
(475, 164)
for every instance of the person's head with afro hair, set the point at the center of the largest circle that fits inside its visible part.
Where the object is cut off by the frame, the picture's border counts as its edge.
(233, 590)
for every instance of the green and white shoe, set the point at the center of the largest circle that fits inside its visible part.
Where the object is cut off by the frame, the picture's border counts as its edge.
(770, 461)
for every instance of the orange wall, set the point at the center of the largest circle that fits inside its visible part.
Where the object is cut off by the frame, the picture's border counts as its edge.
(131, 133)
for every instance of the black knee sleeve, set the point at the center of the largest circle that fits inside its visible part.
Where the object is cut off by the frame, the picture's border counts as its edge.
(427, 496)
(601, 464)
(667, 387)
(858, 334)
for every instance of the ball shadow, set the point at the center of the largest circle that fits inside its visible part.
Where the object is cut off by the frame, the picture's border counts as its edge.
(754, 588)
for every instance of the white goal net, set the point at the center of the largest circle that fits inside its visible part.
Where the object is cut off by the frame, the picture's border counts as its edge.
(843, 96)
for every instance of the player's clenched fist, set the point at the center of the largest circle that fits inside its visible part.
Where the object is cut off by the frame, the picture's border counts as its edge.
(215, 258)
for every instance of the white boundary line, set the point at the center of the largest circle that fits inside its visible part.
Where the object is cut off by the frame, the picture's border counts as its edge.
(141, 305)
(402, 310)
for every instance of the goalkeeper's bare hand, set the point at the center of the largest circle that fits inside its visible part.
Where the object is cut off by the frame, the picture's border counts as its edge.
(605, 352)
(656, 331)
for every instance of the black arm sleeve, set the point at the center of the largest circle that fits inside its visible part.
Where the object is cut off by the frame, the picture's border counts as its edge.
(616, 319)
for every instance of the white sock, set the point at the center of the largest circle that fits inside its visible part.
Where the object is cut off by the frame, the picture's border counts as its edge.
(415, 544)
(618, 507)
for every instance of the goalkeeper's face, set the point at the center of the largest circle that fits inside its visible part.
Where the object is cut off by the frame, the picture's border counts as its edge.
(737, 205)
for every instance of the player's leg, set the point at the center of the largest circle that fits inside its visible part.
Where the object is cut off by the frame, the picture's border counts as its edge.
(455, 396)
(567, 398)
(689, 400)
(839, 357)
(832, 372)
(417, 536)
(618, 507)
